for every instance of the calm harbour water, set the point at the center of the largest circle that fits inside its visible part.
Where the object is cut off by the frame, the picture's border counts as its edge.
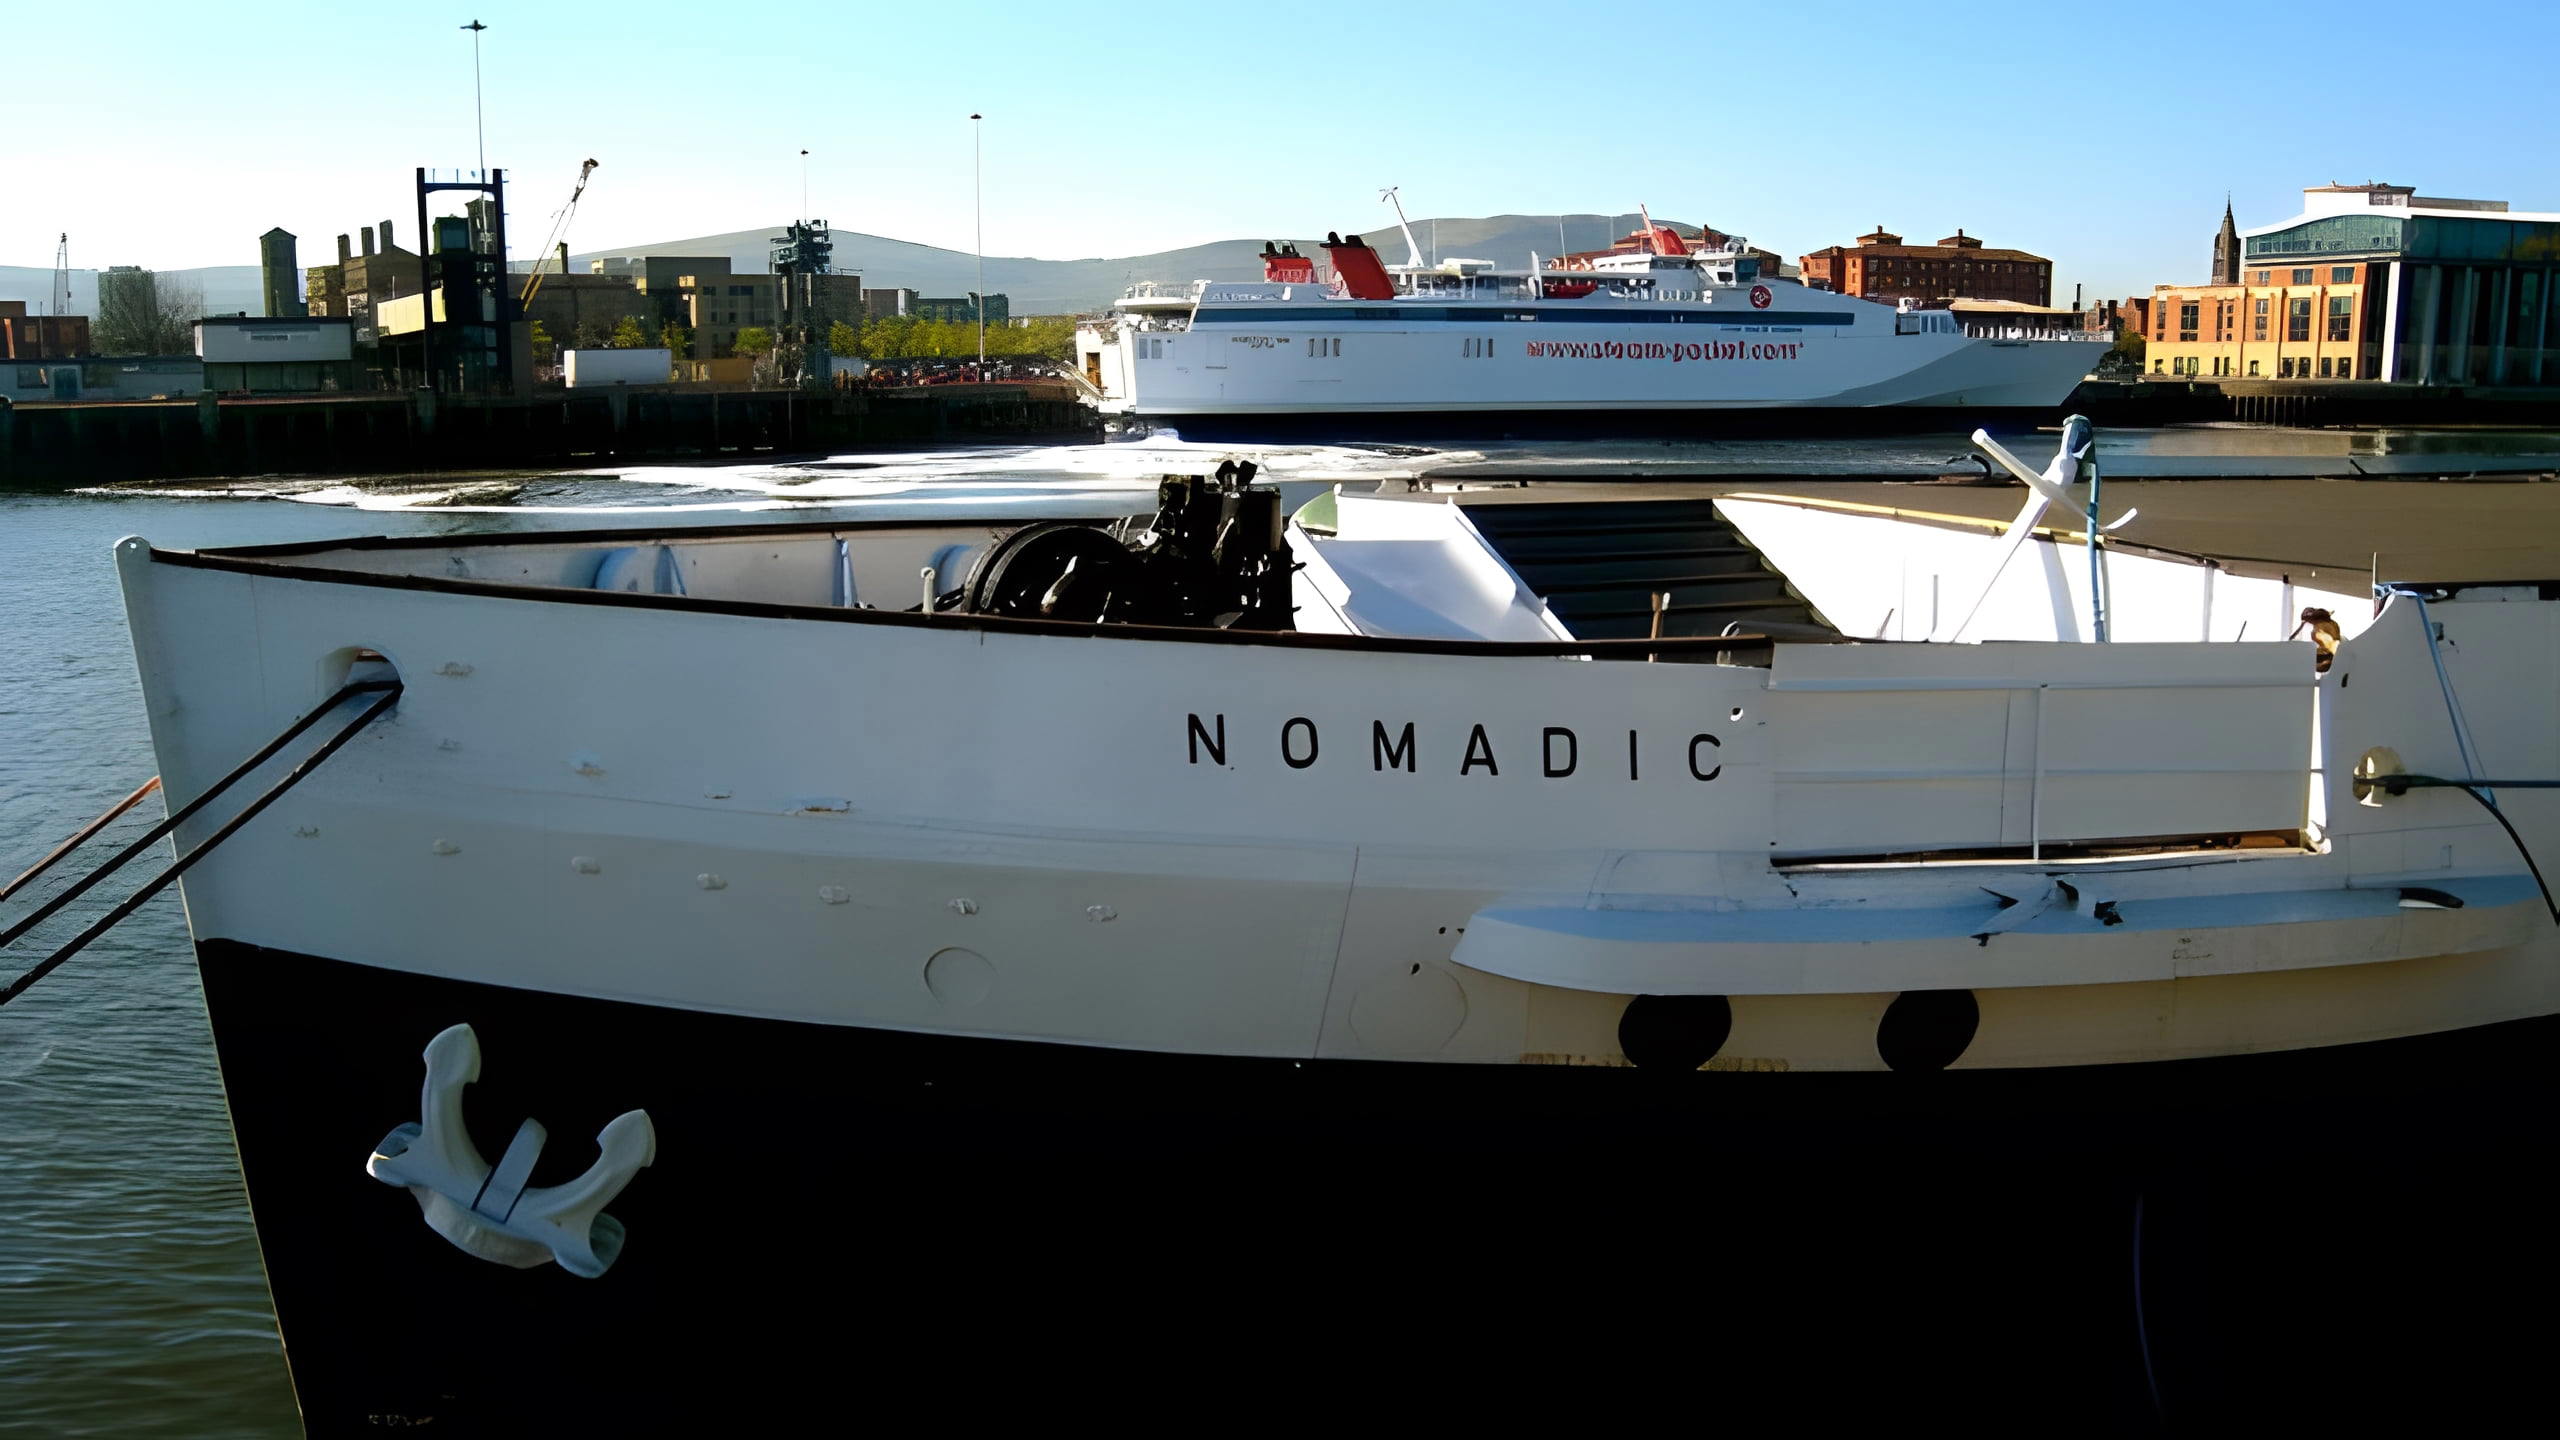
(131, 1298)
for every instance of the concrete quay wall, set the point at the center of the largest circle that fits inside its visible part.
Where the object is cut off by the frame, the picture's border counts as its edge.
(2312, 403)
(50, 445)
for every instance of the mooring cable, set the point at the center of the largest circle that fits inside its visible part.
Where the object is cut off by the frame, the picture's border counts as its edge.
(157, 832)
(79, 838)
(2452, 703)
(160, 882)
(2403, 784)
(2142, 1320)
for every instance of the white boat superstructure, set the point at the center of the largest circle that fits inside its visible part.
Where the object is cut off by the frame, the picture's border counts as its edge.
(1663, 328)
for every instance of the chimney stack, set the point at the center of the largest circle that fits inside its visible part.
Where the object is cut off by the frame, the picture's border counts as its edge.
(385, 227)
(345, 249)
(368, 240)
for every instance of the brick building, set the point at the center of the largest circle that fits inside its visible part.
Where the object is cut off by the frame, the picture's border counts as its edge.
(963, 309)
(583, 309)
(41, 337)
(1960, 267)
(360, 284)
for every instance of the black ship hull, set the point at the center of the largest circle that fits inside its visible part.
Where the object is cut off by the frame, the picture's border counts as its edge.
(846, 1225)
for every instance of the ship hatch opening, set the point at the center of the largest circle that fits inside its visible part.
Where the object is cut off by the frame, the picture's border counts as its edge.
(355, 665)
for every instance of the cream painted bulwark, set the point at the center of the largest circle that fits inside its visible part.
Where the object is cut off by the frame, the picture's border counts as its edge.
(1280, 849)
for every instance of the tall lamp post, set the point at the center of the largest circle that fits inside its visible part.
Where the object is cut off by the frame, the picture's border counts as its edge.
(978, 170)
(479, 127)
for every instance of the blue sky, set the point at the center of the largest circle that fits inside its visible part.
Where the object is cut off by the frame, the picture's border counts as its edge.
(2103, 136)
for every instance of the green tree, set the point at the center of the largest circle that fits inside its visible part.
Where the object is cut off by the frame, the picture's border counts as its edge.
(1051, 337)
(678, 340)
(843, 339)
(631, 333)
(146, 314)
(754, 340)
(544, 350)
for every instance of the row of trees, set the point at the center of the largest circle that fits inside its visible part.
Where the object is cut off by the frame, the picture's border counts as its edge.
(897, 337)
(913, 337)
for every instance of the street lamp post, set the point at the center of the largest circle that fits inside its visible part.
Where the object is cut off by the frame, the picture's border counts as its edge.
(479, 127)
(978, 169)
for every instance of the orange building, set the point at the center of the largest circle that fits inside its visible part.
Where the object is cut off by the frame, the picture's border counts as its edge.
(2281, 322)
(1960, 267)
(2372, 282)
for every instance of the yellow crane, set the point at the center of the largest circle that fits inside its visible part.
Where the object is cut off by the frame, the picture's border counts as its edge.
(556, 243)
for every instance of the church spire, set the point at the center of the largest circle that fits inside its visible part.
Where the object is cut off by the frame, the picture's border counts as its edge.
(2226, 248)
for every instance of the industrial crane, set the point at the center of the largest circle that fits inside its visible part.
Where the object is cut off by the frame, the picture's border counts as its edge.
(556, 243)
(62, 275)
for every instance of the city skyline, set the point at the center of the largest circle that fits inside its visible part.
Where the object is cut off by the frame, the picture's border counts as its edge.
(2105, 141)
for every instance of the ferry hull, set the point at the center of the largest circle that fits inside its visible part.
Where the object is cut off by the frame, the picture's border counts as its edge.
(844, 1220)
(1472, 425)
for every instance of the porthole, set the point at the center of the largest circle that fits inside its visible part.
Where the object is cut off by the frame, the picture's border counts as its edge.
(1674, 1032)
(1927, 1029)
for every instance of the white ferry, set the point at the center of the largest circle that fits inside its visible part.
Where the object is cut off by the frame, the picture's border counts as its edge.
(1658, 329)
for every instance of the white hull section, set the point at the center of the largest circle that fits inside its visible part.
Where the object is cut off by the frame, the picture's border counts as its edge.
(1241, 848)
(1593, 367)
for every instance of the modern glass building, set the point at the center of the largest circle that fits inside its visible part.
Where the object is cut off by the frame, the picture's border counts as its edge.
(2455, 292)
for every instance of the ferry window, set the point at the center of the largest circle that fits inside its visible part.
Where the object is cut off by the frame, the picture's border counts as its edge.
(2301, 277)
(2297, 319)
(2342, 274)
(2339, 306)
(2187, 320)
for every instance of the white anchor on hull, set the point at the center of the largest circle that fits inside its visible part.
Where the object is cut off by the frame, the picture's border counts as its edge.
(486, 1210)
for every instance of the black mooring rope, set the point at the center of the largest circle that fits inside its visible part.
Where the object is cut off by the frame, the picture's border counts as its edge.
(79, 838)
(160, 882)
(158, 832)
(2403, 784)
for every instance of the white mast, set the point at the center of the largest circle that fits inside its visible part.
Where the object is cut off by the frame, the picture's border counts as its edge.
(1412, 251)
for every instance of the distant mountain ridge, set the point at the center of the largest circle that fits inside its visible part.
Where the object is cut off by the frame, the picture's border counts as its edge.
(228, 289)
(1031, 287)
(1062, 287)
